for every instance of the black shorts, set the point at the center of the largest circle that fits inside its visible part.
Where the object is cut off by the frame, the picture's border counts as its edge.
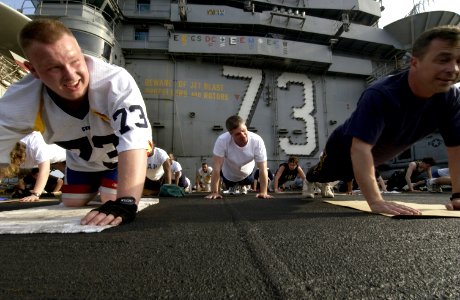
(334, 164)
(153, 185)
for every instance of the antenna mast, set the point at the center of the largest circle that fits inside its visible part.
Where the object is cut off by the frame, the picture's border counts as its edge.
(419, 7)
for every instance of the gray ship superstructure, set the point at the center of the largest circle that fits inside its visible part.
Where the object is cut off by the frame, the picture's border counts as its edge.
(292, 69)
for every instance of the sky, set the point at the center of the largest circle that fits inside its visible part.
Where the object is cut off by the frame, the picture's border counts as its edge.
(397, 9)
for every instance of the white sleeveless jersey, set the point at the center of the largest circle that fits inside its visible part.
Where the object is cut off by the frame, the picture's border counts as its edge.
(117, 119)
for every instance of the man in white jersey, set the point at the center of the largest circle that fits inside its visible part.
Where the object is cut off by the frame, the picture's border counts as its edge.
(236, 153)
(92, 109)
(203, 178)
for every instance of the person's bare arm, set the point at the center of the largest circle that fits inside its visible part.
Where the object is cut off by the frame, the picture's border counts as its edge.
(58, 187)
(277, 178)
(132, 167)
(301, 173)
(177, 176)
(254, 184)
(167, 169)
(263, 177)
(429, 173)
(364, 171)
(40, 183)
(382, 184)
(408, 175)
(198, 183)
(215, 177)
(349, 187)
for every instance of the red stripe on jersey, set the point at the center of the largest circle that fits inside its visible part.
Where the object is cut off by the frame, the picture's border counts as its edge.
(109, 183)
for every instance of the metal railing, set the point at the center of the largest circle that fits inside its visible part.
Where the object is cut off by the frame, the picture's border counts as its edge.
(389, 68)
(9, 71)
(66, 8)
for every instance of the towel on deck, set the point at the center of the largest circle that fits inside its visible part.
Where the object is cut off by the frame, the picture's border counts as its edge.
(54, 219)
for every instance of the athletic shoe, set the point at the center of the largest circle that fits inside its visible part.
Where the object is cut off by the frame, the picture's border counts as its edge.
(436, 188)
(243, 190)
(429, 185)
(308, 189)
(232, 190)
(326, 191)
(432, 187)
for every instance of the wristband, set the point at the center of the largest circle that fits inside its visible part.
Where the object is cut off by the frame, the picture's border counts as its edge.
(127, 201)
(455, 196)
(124, 207)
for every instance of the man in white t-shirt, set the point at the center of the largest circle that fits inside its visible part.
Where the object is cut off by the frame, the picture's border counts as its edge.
(177, 176)
(236, 153)
(158, 171)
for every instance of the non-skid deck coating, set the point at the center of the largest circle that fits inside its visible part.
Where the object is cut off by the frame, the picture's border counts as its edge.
(241, 248)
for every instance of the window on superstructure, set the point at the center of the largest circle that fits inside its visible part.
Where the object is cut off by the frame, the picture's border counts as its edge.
(107, 51)
(143, 5)
(141, 34)
(93, 45)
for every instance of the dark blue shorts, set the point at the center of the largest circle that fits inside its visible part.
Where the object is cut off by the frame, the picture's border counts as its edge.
(246, 181)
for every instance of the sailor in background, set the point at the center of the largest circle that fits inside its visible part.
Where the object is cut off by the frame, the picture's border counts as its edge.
(177, 176)
(236, 153)
(31, 159)
(203, 178)
(158, 171)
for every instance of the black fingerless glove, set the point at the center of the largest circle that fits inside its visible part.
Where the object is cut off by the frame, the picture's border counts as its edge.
(124, 207)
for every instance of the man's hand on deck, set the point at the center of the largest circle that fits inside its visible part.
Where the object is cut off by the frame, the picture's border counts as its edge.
(392, 208)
